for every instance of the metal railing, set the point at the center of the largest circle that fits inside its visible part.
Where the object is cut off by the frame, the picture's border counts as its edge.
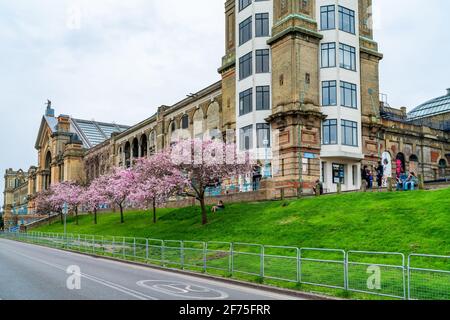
(383, 274)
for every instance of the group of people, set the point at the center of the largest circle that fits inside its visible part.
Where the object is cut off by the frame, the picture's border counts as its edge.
(407, 182)
(378, 174)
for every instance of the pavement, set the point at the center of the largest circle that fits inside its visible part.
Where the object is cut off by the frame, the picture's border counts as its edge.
(30, 272)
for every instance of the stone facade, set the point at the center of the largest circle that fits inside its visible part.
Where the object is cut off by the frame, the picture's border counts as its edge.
(298, 156)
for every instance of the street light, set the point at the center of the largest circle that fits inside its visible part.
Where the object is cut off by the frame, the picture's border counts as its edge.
(266, 160)
(65, 210)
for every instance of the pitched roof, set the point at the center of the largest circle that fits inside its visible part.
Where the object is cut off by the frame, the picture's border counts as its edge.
(93, 133)
(90, 132)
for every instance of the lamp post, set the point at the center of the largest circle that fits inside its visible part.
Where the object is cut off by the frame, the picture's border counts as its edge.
(266, 160)
(65, 211)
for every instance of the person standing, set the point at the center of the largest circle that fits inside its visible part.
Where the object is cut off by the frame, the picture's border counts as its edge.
(380, 174)
(370, 180)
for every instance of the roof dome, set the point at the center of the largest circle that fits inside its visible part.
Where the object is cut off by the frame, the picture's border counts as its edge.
(431, 108)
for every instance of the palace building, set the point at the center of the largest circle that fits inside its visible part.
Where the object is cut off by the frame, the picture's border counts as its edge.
(299, 89)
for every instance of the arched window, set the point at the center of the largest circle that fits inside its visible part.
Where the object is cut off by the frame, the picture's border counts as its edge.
(413, 158)
(442, 168)
(198, 124)
(213, 121)
(152, 142)
(48, 167)
(174, 134)
(135, 148)
(400, 164)
(413, 163)
(185, 122)
(127, 151)
(144, 145)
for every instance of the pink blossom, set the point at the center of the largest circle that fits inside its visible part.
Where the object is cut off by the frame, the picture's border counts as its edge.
(208, 163)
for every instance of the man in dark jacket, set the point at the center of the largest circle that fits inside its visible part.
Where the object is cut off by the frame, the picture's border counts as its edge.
(380, 173)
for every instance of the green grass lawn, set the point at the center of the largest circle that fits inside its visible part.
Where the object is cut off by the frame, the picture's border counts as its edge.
(415, 222)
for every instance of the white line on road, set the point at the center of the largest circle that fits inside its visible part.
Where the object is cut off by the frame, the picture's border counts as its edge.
(112, 285)
(182, 277)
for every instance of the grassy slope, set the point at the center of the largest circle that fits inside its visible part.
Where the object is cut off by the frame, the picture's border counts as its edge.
(404, 222)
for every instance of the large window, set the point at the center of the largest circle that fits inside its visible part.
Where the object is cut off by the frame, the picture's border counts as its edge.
(329, 93)
(245, 138)
(262, 61)
(246, 66)
(349, 133)
(262, 25)
(263, 98)
(245, 31)
(346, 20)
(328, 55)
(327, 17)
(244, 4)
(245, 102)
(348, 95)
(347, 57)
(263, 135)
(329, 132)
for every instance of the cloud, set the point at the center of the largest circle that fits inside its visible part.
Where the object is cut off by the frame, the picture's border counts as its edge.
(413, 37)
(116, 60)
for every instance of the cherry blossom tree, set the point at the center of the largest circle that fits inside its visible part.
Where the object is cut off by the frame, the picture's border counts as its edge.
(93, 196)
(157, 179)
(207, 163)
(43, 204)
(117, 187)
(67, 193)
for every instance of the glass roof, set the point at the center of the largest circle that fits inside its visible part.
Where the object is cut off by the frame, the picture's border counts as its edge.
(93, 133)
(433, 107)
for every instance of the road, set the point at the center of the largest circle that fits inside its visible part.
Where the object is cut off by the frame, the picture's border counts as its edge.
(29, 272)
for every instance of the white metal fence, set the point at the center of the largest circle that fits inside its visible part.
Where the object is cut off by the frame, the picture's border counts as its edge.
(384, 274)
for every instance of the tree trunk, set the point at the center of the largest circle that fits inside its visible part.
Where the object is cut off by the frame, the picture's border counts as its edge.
(61, 215)
(154, 211)
(122, 220)
(95, 215)
(204, 214)
(76, 215)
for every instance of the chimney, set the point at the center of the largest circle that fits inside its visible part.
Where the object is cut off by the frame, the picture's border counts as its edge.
(63, 123)
(403, 110)
(448, 91)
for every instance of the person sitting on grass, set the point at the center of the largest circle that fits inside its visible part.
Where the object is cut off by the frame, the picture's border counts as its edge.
(401, 182)
(411, 182)
(219, 207)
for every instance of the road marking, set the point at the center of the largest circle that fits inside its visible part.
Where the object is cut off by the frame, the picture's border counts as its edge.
(112, 285)
(183, 290)
(218, 283)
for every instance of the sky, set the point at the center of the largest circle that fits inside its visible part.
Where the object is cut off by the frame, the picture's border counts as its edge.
(117, 61)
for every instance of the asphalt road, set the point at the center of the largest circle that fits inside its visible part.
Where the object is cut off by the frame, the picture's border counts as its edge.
(29, 272)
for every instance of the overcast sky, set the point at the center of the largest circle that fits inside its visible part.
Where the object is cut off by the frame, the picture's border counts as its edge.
(116, 60)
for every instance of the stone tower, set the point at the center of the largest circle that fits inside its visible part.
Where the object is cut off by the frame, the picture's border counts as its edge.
(228, 68)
